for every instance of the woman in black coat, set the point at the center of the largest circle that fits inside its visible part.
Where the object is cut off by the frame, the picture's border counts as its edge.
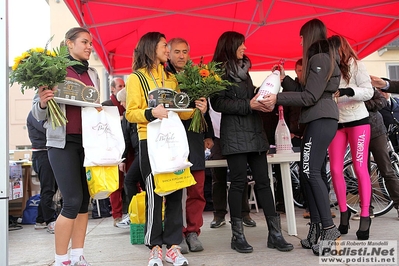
(243, 141)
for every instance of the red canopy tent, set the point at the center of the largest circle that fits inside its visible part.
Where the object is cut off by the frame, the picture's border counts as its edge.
(271, 27)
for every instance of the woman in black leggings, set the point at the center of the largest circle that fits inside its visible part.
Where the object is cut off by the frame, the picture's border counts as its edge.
(66, 154)
(319, 112)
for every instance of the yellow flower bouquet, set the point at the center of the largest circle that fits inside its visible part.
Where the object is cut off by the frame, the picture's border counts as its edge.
(41, 67)
(202, 80)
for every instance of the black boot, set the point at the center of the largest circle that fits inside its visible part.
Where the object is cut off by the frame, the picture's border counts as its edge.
(275, 239)
(344, 222)
(313, 236)
(364, 228)
(331, 234)
(238, 241)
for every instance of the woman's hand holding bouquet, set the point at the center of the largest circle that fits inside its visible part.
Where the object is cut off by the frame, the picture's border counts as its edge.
(41, 69)
(201, 82)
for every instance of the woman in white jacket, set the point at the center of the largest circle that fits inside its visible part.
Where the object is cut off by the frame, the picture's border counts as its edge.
(353, 128)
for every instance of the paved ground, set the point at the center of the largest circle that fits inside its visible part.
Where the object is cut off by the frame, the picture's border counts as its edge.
(109, 246)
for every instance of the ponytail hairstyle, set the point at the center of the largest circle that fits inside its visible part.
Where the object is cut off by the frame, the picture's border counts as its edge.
(144, 55)
(72, 34)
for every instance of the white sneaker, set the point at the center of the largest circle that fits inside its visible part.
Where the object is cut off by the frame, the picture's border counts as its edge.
(51, 227)
(82, 262)
(125, 223)
(173, 255)
(39, 226)
(155, 257)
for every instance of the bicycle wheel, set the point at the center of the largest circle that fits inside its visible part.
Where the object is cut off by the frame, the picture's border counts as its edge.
(296, 185)
(380, 201)
(395, 163)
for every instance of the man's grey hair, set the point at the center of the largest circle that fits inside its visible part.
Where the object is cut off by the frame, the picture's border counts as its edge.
(113, 82)
(177, 40)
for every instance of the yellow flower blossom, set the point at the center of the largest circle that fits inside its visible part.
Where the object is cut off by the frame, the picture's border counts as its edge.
(18, 59)
(38, 50)
(25, 55)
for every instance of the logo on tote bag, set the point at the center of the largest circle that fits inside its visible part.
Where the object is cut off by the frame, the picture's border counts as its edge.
(179, 172)
(168, 139)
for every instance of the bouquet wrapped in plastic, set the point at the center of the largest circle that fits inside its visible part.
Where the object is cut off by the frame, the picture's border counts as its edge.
(202, 80)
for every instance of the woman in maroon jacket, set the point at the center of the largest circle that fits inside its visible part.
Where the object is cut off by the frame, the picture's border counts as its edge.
(66, 154)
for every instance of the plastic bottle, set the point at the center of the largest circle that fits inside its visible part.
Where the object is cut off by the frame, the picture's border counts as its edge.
(271, 85)
(282, 135)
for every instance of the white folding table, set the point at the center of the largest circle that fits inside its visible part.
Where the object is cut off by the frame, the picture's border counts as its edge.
(284, 161)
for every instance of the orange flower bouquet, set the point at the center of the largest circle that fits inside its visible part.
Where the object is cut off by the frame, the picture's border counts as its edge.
(202, 80)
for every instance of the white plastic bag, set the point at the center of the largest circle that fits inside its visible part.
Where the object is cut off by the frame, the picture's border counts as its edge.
(167, 145)
(102, 135)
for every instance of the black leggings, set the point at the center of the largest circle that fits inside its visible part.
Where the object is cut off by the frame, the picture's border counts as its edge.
(325, 179)
(132, 177)
(317, 137)
(70, 174)
(238, 177)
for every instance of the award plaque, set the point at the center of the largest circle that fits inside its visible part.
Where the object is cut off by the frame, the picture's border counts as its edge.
(75, 92)
(172, 100)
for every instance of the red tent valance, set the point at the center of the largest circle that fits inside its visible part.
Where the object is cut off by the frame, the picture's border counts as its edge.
(271, 27)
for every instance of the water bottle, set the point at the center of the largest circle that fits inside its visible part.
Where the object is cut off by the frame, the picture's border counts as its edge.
(282, 135)
(271, 85)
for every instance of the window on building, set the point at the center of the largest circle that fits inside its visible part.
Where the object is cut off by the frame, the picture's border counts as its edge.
(393, 71)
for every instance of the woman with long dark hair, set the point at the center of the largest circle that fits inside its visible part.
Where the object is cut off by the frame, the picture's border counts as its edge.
(320, 79)
(244, 141)
(149, 73)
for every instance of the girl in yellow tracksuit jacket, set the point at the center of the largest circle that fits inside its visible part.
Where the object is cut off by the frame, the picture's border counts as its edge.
(150, 74)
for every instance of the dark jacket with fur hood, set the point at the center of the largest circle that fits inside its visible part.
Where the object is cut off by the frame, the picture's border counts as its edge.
(316, 97)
